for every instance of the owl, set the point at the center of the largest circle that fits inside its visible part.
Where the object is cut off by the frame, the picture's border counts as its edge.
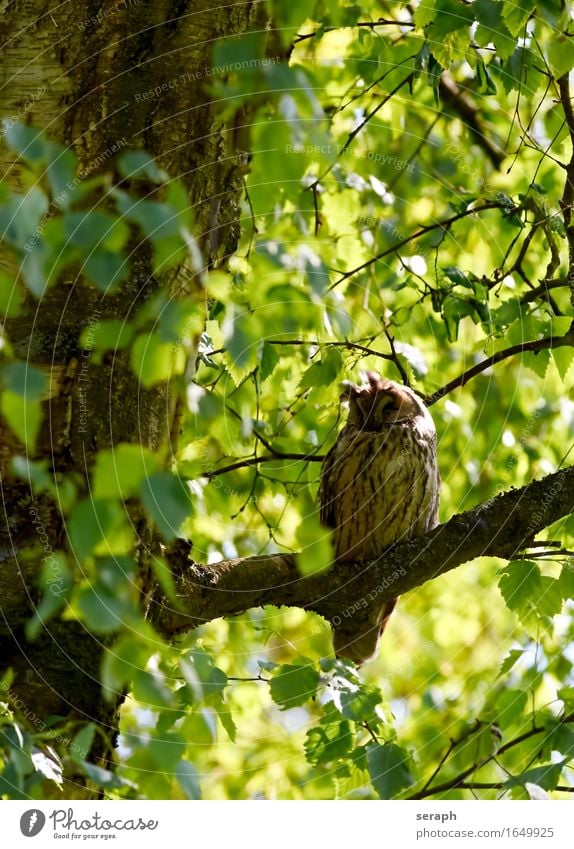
(379, 485)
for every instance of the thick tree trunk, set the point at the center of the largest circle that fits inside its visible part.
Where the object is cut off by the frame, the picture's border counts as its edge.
(100, 77)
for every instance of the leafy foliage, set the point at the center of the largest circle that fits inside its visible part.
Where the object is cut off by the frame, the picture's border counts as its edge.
(379, 231)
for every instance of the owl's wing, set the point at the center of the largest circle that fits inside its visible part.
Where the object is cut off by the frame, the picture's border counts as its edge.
(328, 489)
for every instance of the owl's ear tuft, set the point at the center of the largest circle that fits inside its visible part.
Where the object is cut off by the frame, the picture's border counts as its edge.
(372, 379)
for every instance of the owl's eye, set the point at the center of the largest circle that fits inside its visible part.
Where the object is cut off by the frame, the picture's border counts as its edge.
(389, 404)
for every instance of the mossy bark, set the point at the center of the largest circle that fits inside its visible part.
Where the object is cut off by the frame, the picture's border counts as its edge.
(101, 77)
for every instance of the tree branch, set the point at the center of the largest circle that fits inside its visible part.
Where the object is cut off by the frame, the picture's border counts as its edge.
(535, 345)
(265, 458)
(499, 528)
(542, 290)
(460, 102)
(444, 225)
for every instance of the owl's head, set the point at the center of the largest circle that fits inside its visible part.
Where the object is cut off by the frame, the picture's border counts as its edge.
(379, 402)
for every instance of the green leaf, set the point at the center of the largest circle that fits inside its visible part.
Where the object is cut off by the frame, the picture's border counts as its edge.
(56, 581)
(28, 141)
(108, 335)
(560, 55)
(35, 472)
(138, 163)
(23, 417)
(188, 780)
(532, 597)
(119, 471)
(329, 742)
(157, 221)
(389, 769)
(269, 360)
(520, 584)
(82, 742)
(24, 380)
(106, 269)
(563, 359)
(166, 750)
(485, 83)
(546, 776)
(549, 603)
(238, 53)
(567, 696)
(105, 611)
(118, 666)
(493, 28)
(325, 372)
(243, 345)
(414, 358)
(510, 707)
(21, 217)
(154, 361)
(511, 658)
(449, 16)
(93, 228)
(537, 361)
(180, 321)
(561, 738)
(164, 577)
(167, 500)
(89, 525)
(361, 704)
(103, 777)
(61, 175)
(566, 582)
(516, 13)
(151, 688)
(291, 686)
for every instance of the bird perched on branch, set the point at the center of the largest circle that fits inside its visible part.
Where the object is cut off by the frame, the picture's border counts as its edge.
(379, 485)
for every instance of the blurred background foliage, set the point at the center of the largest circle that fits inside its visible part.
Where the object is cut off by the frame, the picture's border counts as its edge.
(357, 144)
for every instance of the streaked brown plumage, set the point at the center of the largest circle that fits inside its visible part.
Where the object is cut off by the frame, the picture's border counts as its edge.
(379, 485)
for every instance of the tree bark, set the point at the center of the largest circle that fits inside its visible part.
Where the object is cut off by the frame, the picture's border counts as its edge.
(101, 78)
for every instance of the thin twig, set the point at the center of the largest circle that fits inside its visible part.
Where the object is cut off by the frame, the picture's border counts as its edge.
(455, 783)
(523, 347)
(265, 458)
(422, 232)
(352, 346)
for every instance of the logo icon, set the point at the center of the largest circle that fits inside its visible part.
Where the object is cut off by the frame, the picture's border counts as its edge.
(32, 822)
